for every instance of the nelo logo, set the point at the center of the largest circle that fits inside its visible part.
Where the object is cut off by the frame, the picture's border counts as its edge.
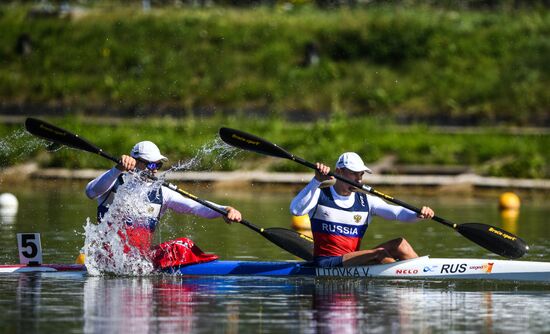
(406, 271)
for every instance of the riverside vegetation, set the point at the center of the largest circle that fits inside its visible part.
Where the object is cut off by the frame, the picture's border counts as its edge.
(488, 151)
(377, 68)
(410, 62)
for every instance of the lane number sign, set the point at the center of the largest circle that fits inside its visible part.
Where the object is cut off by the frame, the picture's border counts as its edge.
(30, 249)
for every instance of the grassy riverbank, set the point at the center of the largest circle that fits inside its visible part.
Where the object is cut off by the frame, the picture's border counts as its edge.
(410, 62)
(487, 151)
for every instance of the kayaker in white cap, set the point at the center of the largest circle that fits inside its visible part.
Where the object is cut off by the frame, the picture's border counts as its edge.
(146, 156)
(340, 217)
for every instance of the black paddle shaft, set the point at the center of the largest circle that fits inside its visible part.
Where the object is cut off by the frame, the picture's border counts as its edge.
(209, 205)
(293, 242)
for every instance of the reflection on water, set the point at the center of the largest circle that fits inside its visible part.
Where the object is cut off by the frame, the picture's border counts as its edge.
(27, 302)
(118, 305)
(173, 304)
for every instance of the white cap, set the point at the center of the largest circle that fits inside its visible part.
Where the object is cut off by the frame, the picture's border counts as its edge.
(148, 151)
(353, 162)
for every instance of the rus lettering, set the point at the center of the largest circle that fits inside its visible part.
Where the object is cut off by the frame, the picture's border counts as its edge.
(453, 268)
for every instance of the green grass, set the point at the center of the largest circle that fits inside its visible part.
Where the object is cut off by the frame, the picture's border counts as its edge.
(415, 62)
(487, 151)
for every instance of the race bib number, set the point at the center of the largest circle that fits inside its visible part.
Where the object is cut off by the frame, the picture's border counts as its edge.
(30, 249)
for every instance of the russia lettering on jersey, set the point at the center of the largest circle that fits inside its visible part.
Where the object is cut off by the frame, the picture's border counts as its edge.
(337, 230)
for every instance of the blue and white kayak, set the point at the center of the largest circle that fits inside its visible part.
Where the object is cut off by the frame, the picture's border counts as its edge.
(420, 268)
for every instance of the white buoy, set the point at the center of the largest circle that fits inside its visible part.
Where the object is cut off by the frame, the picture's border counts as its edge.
(8, 200)
(8, 207)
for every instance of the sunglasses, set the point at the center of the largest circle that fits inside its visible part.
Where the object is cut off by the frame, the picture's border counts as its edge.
(152, 165)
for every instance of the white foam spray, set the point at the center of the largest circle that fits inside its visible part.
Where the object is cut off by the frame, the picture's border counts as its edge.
(105, 243)
(17, 145)
(216, 148)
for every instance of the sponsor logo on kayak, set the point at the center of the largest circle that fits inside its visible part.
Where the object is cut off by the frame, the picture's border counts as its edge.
(453, 268)
(406, 271)
(486, 267)
(429, 269)
(343, 272)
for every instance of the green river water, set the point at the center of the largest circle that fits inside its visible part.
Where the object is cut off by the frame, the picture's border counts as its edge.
(43, 303)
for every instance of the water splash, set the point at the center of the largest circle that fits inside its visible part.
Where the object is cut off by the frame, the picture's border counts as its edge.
(106, 249)
(17, 145)
(106, 244)
(216, 148)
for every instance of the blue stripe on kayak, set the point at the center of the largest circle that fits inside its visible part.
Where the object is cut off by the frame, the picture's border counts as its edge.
(245, 268)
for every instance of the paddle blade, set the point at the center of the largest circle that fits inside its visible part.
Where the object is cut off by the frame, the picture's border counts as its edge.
(58, 135)
(61, 136)
(496, 240)
(249, 142)
(291, 241)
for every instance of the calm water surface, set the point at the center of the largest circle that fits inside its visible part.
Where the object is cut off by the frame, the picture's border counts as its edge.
(73, 303)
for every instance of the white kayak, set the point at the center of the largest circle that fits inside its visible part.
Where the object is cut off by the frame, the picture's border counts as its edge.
(437, 268)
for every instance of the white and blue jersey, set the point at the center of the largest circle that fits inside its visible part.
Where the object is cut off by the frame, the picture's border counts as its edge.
(337, 228)
(339, 222)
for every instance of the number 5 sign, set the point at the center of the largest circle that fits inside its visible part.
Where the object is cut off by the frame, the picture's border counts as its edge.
(30, 250)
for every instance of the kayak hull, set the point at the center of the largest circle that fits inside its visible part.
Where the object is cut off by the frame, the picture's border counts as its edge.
(419, 268)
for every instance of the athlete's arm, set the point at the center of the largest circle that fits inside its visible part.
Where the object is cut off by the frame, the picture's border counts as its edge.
(101, 184)
(306, 199)
(182, 204)
(381, 208)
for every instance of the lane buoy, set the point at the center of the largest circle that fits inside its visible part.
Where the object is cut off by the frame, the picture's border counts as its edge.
(80, 259)
(301, 223)
(509, 204)
(9, 201)
(509, 201)
(8, 207)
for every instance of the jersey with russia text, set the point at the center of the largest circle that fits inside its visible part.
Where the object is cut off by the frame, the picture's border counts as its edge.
(336, 230)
